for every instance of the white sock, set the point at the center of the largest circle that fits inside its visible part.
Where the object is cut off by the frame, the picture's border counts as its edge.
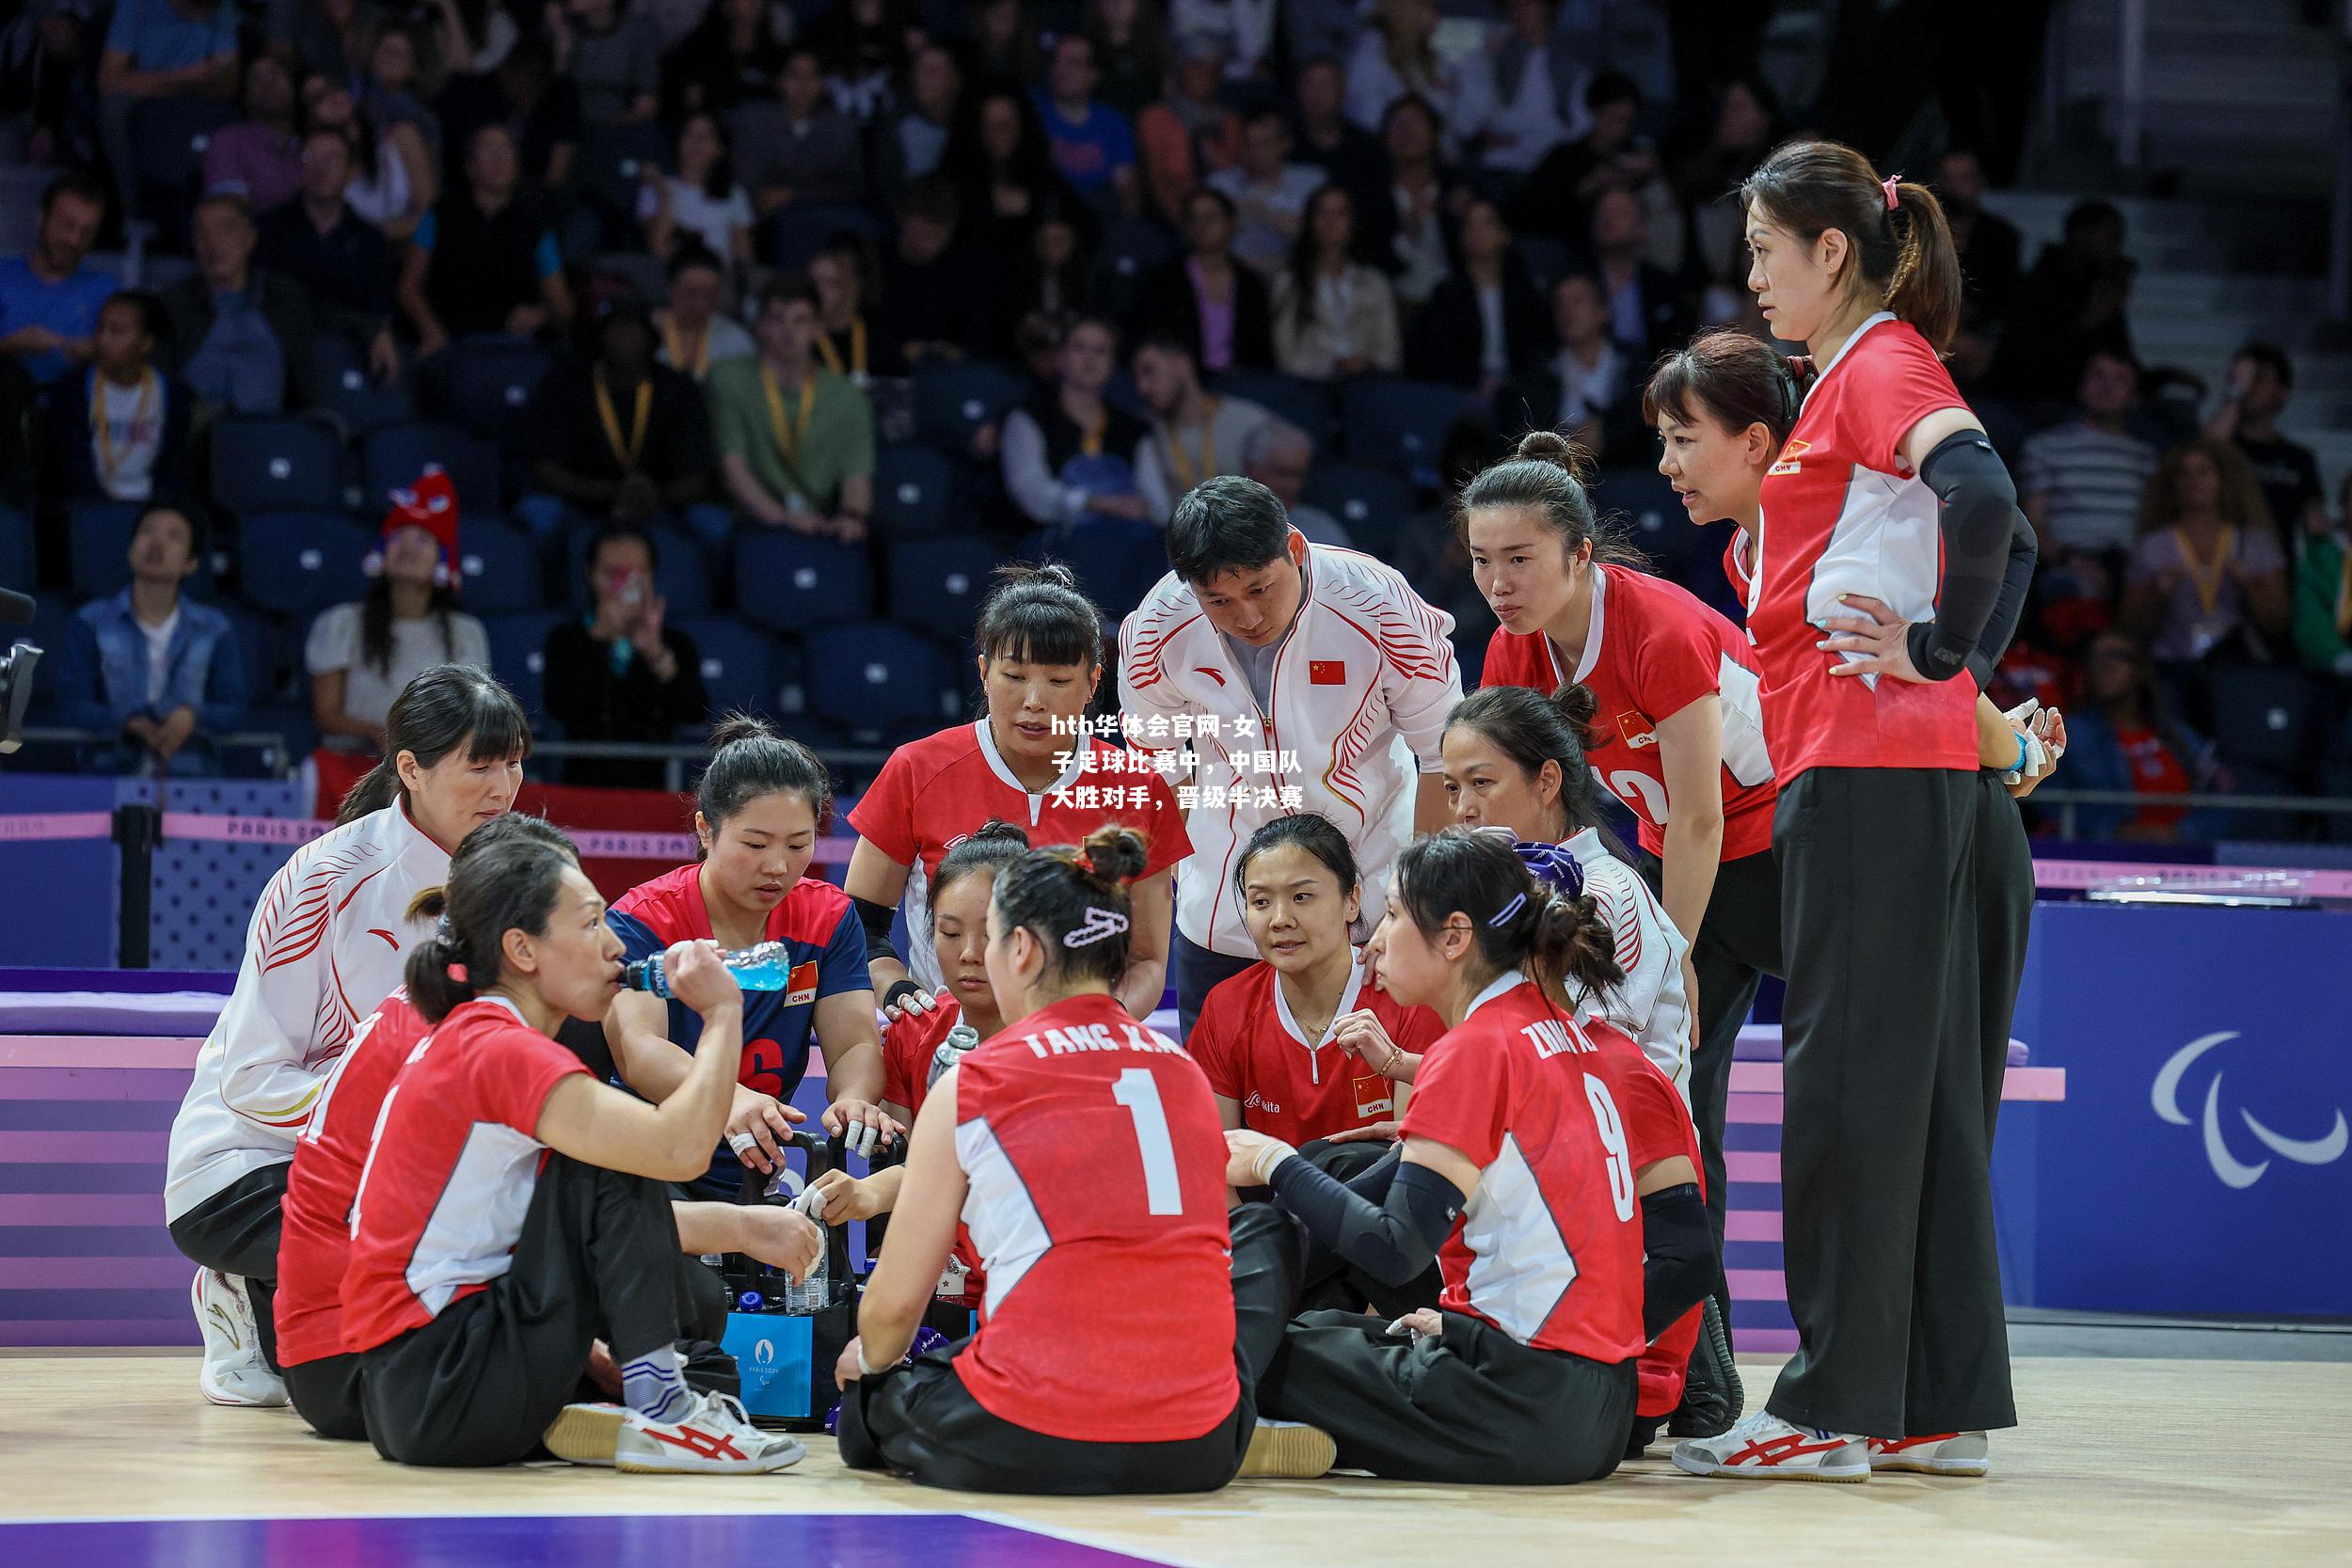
(652, 1386)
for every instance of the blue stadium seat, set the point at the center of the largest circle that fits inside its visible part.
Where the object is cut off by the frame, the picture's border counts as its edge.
(1131, 249)
(491, 379)
(915, 490)
(1373, 504)
(16, 566)
(299, 563)
(1400, 424)
(611, 171)
(791, 672)
(273, 462)
(954, 398)
(2262, 718)
(347, 388)
(98, 544)
(168, 136)
(1116, 561)
(937, 585)
(394, 456)
(52, 619)
(871, 675)
(790, 582)
(738, 666)
(1651, 517)
(797, 230)
(517, 657)
(1304, 403)
(498, 566)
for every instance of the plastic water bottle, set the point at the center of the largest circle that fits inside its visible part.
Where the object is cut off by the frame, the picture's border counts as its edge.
(960, 1038)
(766, 967)
(811, 1295)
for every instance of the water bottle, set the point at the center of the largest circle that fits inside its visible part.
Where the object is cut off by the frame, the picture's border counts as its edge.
(960, 1038)
(811, 1295)
(766, 967)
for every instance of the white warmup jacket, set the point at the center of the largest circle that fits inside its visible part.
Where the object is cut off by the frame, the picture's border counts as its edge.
(1651, 1004)
(1361, 690)
(327, 944)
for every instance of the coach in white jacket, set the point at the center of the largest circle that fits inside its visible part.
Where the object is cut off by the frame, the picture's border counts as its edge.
(326, 946)
(1322, 663)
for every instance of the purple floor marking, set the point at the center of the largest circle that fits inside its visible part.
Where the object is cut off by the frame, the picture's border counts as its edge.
(560, 1541)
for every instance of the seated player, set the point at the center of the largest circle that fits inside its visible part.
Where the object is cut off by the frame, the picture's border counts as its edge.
(1082, 1150)
(757, 810)
(1515, 1173)
(513, 1216)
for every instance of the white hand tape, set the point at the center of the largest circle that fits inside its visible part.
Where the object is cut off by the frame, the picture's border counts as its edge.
(741, 1142)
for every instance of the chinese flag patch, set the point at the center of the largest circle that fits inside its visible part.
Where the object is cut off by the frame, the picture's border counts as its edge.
(1326, 672)
(800, 987)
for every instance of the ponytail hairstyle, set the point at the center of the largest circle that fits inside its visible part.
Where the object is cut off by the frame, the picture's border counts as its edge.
(749, 760)
(1532, 729)
(503, 878)
(1074, 902)
(1556, 935)
(997, 844)
(1038, 616)
(1903, 254)
(1317, 835)
(1551, 474)
(1736, 380)
(444, 708)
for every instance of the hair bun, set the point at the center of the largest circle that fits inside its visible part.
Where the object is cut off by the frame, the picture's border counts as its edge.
(1544, 445)
(1116, 853)
(997, 831)
(1578, 707)
(735, 726)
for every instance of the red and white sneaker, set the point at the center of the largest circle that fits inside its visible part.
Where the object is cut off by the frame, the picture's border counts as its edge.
(1949, 1453)
(234, 1371)
(1762, 1447)
(715, 1437)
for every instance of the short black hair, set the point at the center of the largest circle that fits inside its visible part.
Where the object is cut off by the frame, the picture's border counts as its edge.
(621, 529)
(1224, 524)
(74, 182)
(1611, 86)
(153, 319)
(692, 254)
(186, 512)
(787, 288)
(2263, 353)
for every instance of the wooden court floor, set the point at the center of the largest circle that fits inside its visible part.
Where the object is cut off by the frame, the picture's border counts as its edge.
(2125, 1462)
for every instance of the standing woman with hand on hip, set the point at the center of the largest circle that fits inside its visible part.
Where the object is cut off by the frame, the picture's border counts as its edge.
(1891, 540)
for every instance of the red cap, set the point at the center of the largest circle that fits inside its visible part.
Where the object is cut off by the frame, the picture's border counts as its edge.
(430, 504)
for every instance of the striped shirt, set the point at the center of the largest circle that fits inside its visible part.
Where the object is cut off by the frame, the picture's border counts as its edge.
(2093, 478)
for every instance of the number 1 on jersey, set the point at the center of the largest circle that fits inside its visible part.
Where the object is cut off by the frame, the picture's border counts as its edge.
(1136, 1089)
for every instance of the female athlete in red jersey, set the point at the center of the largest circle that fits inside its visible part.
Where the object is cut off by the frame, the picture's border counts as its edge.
(1023, 762)
(1517, 1172)
(1083, 1151)
(1886, 487)
(484, 1272)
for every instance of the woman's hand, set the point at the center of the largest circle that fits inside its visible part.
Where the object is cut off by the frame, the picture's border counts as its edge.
(757, 1126)
(1379, 1131)
(913, 1003)
(1363, 1035)
(847, 1368)
(1882, 640)
(841, 1198)
(699, 979)
(1250, 1157)
(862, 1123)
(2049, 727)
(1425, 1322)
(783, 1238)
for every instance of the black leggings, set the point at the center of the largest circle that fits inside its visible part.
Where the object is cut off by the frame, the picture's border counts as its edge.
(236, 1230)
(597, 1259)
(921, 1423)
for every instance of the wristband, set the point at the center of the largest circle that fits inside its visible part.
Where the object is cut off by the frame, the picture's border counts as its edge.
(865, 1367)
(900, 988)
(2025, 755)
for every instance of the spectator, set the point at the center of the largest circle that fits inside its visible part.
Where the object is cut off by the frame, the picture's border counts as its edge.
(2208, 580)
(1208, 298)
(475, 36)
(1412, 231)
(1131, 50)
(1055, 277)
(2261, 379)
(1989, 248)
(484, 261)
(695, 333)
(539, 106)
(1001, 170)
(1091, 143)
(1347, 155)
(1069, 457)
(259, 158)
(914, 139)
(392, 92)
(796, 442)
(1393, 59)
(2121, 737)
(1268, 192)
(337, 260)
(615, 437)
(361, 655)
(240, 337)
(393, 180)
(160, 49)
(1746, 127)
(123, 434)
(1246, 25)
(862, 45)
(732, 58)
(2080, 483)
(932, 304)
(1333, 315)
(1484, 325)
(1558, 198)
(1588, 389)
(614, 55)
(1188, 129)
(843, 271)
(150, 664)
(797, 147)
(1279, 455)
(701, 203)
(2072, 302)
(1194, 436)
(49, 301)
(617, 673)
(2323, 595)
(1531, 83)
(1647, 311)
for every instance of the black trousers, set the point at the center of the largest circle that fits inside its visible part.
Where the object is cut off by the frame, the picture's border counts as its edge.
(1885, 1145)
(326, 1393)
(597, 1259)
(2004, 905)
(1199, 971)
(236, 1230)
(920, 1420)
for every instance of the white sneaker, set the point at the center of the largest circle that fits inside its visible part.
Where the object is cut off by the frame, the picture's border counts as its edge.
(715, 1437)
(1950, 1454)
(1765, 1448)
(234, 1371)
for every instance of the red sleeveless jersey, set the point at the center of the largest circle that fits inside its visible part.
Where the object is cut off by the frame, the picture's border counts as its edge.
(908, 1046)
(1289, 1086)
(1096, 1201)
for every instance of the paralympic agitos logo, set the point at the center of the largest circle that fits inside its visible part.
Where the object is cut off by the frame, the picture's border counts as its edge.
(2165, 1096)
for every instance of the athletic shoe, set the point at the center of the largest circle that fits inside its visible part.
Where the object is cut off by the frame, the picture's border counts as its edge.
(716, 1437)
(1950, 1453)
(1712, 1395)
(234, 1371)
(1291, 1451)
(1765, 1448)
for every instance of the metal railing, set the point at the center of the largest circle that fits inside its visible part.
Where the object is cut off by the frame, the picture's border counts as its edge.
(2070, 803)
(676, 758)
(268, 744)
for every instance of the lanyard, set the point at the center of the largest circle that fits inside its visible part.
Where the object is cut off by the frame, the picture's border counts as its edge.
(832, 355)
(1090, 437)
(675, 346)
(627, 452)
(107, 460)
(1186, 475)
(2206, 575)
(789, 442)
(2343, 595)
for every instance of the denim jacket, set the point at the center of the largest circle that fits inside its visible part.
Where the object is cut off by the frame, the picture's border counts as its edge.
(101, 673)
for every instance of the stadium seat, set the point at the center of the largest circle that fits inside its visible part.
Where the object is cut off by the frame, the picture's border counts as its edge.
(394, 456)
(272, 462)
(1373, 504)
(1400, 424)
(299, 563)
(347, 388)
(795, 232)
(51, 621)
(1642, 507)
(2263, 720)
(792, 672)
(1304, 403)
(517, 657)
(1131, 249)
(1115, 561)
(738, 666)
(612, 160)
(98, 545)
(789, 582)
(16, 566)
(490, 381)
(914, 488)
(937, 585)
(168, 135)
(498, 565)
(870, 675)
(681, 574)
(953, 398)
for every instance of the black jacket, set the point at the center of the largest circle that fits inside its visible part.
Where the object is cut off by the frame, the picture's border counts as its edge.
(1169, 305)
(283, 306)
(1449, 334)
(73, 467)
(591, 702)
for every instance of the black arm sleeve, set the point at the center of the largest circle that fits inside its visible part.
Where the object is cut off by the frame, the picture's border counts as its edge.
(1978, 520)
(1393, 1242)
(2024, 551)
(1681, 1265)
(876, 918)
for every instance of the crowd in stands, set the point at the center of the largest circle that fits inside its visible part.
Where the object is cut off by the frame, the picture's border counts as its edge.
(724, 322)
